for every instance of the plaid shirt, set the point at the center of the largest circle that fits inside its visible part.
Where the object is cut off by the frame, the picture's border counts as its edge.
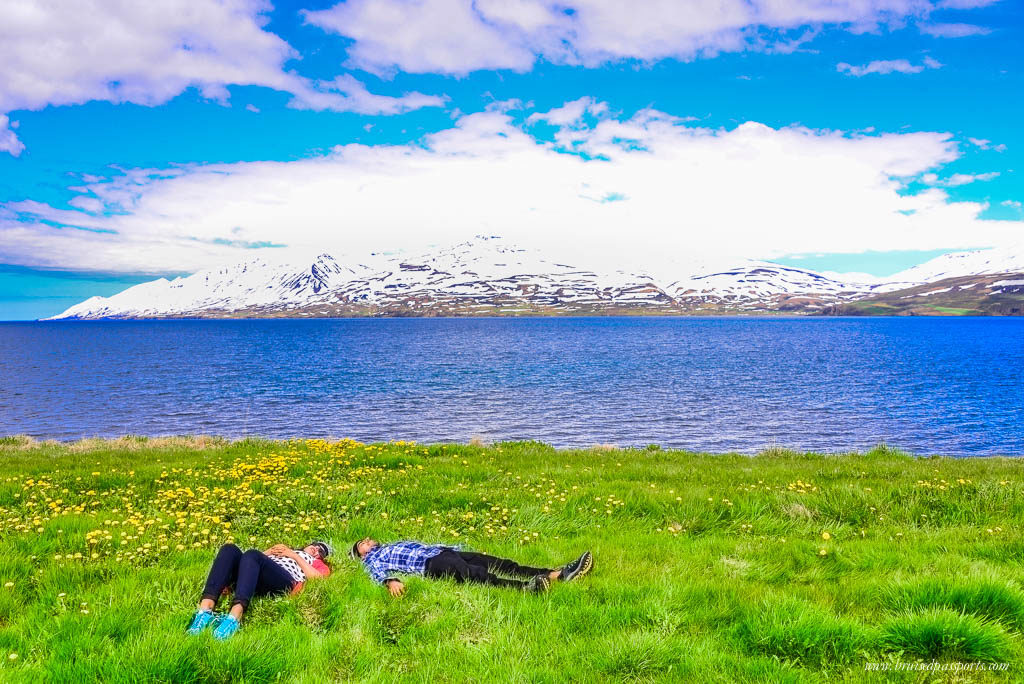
(405, 556)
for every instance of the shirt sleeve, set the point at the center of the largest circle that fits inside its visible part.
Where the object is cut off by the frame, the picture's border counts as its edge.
(377, 570)
(321, 567)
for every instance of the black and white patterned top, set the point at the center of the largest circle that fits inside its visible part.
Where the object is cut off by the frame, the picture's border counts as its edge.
(291, 567)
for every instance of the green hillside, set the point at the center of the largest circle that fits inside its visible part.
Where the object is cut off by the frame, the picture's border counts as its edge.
(984, 295)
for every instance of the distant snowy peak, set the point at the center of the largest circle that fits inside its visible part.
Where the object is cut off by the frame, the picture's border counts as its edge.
(484, 256)
(957, 264)
(470, 269)
(760, 278)
(490, 276)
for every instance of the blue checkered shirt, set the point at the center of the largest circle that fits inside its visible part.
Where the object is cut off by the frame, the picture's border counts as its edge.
(409, 557)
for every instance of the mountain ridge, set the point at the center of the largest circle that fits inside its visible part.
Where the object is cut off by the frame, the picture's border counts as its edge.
(489, 276)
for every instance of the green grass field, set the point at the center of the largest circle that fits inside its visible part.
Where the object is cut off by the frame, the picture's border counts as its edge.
(781, 567)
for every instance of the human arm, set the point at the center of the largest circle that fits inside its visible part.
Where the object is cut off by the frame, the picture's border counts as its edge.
(377, 567)
(309, 570)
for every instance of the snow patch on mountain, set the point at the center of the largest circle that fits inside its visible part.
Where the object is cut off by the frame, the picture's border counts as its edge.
(1008, 259)
(488, 274)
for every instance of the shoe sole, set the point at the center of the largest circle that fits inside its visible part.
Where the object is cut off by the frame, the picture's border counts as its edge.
(586, 562)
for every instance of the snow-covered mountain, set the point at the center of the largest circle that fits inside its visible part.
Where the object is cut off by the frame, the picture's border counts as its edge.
(483, 275)
(253, 284)
(958, 264)
(489, 276)
(754, 285)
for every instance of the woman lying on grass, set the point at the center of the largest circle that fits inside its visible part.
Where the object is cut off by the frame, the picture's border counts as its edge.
(278, 570)
(436, 560)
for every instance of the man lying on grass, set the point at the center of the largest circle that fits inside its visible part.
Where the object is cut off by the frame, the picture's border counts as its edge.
(417, 558)
(278, 570)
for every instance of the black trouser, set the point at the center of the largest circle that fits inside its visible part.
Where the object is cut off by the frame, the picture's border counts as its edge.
(466, 566)
(253, 573)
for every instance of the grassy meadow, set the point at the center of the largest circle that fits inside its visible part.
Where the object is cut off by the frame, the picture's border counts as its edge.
(781, 567)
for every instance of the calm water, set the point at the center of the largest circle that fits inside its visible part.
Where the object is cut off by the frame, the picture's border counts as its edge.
(951, 386)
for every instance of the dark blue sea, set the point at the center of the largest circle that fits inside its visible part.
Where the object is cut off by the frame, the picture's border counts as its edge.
(928, 385)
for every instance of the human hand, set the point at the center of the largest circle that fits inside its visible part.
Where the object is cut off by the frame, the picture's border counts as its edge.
(278, 550)
(396, 588)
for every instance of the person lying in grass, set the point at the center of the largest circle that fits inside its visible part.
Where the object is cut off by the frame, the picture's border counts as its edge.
(278, 570)
(417, 558)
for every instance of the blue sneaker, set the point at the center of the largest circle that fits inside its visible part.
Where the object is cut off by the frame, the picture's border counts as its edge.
(226, 628)
(200, 621)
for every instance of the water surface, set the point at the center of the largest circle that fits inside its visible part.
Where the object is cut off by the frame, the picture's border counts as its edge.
(929, 385)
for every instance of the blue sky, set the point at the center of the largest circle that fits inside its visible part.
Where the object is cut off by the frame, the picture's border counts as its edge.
(881, 136)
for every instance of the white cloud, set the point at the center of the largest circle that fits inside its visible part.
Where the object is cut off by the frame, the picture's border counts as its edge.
(460, 36)
(428, 35)
(749, 191)
(90, 204)
(66, 52)
(8, 140)
(1013, 204)
(347, 94)
(984, 144)
(953, 30)
(965, 4)
(571, 113)
(888, 66)
(958, 179)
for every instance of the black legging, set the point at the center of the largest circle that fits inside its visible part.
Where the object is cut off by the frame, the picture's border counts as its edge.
(466, 566)
(253, 573)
